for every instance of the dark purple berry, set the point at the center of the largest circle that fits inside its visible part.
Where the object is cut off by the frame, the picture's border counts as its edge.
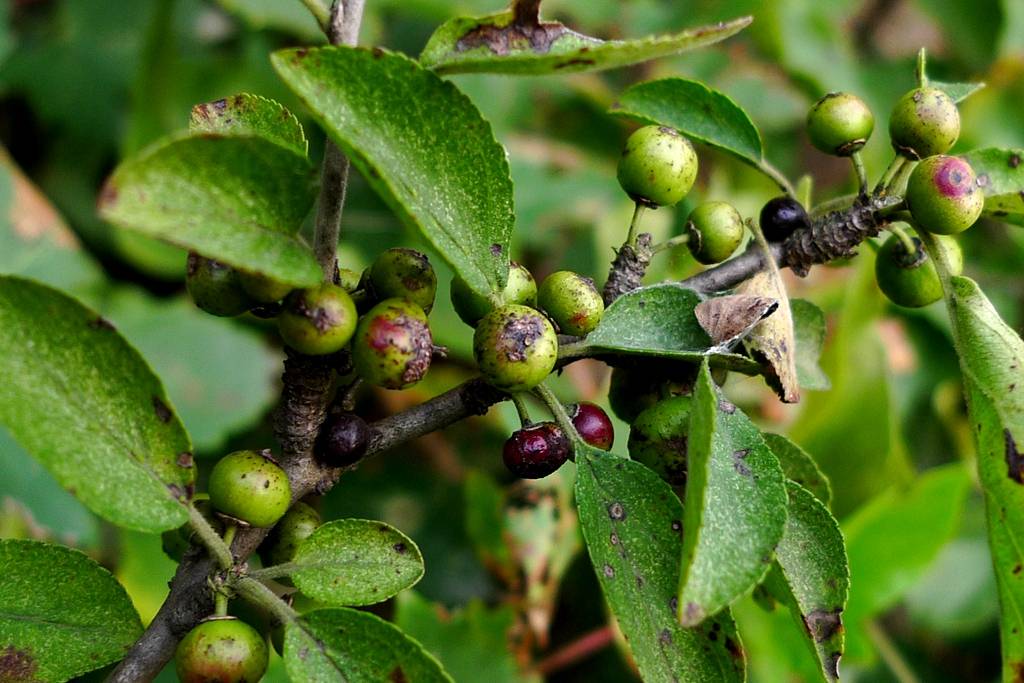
(342, 440)
(536, 451)
(781, 217)
(593, 424)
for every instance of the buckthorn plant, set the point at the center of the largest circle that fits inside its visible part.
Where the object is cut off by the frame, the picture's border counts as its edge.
(415, 336)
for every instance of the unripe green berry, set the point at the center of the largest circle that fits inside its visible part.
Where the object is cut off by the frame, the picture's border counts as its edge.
(404, 274)
(715, 230)
(215, 287)
(924, 122)
(317, 321)
(943, 195)
(634, 389)
(348, 279)
(393, 345)
(911, 280)
(296, 526)
(572, 301)
(520, 289)
(515, 347)
(658, 438)
(222, 650)
(839, 123)
(250, 487)
(265, 290)
(658, 166)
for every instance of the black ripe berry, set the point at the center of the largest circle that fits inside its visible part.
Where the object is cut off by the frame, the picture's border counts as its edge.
(536, 451)
(342, 440)
(781, 217)
(593, 424)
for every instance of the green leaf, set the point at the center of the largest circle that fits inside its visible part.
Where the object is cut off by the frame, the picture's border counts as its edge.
(246, 115)
(696, 110)
(240, 200)
(288, 16)
(348, 646)
(735, 505)
(799, 466)
(421, 144)
(464, 639)
(659, 321)
(957, 91)
(809, 329)
(1001, 178)
(85, 404)
(61, 614)
(811, 576)
(499, 43)
(892, 541)
(632, 525)
(485, 523)
(356, 562)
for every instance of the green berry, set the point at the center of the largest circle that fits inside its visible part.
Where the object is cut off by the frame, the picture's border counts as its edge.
(572, 301)
(250, 487)
(839, 123)
(215, 287)
(911, 280)
(317, 321)
(348, 279)
(222, 650)
(658, 438)
(296, 526)
(393, 345)
(520, 289)
(634, 389)
(263, 289)
(404, 274)
(658, 166)
(943, 195)
(923, 123)
(715, 230)
(515, 347)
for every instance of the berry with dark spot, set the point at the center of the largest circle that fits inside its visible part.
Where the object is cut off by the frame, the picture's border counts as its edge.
(520, 289)
(593, 424)
(924, 122)
(317, 321)
(572, 301)
(515, 348)
(658, 438)
(296, 526)
(781, 217)
(403, 274)
(911, 280)
(536, 451)
(221, 650)
(250, 487)
(393, 345)
(342, 440)
(215, 287)
(840, 123)
(715, 230)
(658, 166)
(943, 195)
(264, 289)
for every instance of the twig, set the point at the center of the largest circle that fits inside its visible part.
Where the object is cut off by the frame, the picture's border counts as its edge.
(586, 645)
(889, 653)
(319, 12)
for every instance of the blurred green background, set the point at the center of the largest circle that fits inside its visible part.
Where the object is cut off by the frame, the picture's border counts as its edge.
(85, 82)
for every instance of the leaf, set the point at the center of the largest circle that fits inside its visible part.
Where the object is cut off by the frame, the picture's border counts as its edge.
(773, 341)
(892, 541)
(811, 576)
(248, 115)
(659, 321)
(632, 525)
(957, 91)
(55, 635)
(421, 145)
(290, 17)
(485, 521)
(239, 200)
(799, 467)
(348, 646)
(696, 110)
(735, 509)
(809, 332)
(356, 562)
(87, 406)
(509, 44)
(1001, 178)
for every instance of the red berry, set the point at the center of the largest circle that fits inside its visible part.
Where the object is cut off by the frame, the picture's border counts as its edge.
(536, 451)
(593, 424)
